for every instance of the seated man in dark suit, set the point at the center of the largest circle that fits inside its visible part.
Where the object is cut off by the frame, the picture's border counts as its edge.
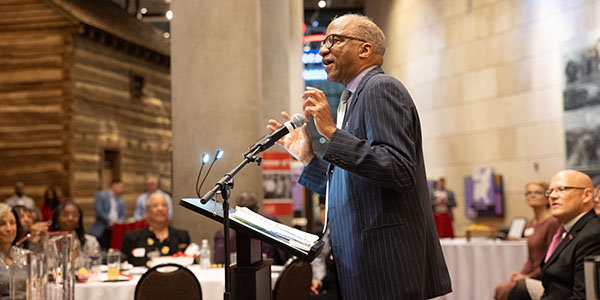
(247, 200)
(158, 239)
(571, 199)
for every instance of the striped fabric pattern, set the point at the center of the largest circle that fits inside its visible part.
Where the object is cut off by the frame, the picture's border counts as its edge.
(383, 236)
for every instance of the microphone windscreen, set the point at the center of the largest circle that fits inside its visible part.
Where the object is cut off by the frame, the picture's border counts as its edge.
(298, 120)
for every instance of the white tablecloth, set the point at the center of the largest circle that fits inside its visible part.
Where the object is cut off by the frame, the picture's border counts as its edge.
(476, 267)
(212, 282)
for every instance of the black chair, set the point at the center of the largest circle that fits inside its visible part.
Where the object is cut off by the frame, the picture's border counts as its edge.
(168, 282)
(294, 282)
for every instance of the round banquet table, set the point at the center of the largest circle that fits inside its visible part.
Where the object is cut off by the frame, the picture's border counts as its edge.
(478, 266)
(212, 282)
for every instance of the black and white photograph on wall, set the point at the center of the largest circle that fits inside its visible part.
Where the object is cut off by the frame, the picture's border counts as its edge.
(581, 104)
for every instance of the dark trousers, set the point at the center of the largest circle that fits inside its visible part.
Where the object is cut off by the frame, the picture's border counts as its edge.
(104, 240)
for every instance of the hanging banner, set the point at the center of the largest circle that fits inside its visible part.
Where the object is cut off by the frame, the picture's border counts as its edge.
(277, 184)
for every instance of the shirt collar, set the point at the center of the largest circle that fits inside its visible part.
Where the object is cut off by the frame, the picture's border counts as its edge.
(353, 84)
(570, 224)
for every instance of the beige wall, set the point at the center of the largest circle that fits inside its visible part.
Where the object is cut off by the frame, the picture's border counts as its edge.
(487, 79)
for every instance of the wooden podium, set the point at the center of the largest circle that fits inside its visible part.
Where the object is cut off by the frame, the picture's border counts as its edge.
(251, 276)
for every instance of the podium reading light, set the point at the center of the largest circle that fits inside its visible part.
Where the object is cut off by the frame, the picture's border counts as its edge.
(218, 155)
(205, 158)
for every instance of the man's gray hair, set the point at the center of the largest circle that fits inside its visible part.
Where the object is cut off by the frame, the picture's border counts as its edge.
(369, 31)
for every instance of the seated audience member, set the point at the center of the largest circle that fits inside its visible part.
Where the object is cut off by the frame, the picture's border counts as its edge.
(9, 226)
(68, 216)
(570, 194)
(158, 239)
(324, 278)
(246, 200)
(30, 225)
(19, 198)
(51, 201)
(110, 209)
(538, 231)
(442, 199)
(152, 186)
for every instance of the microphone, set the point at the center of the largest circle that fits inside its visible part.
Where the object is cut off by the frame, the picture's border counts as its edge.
(269, 140)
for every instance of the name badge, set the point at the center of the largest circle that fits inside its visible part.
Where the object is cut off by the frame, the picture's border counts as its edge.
(138, 252)
(529, 231)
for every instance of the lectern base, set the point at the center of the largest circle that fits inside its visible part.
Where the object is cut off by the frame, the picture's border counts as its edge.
(251, 282)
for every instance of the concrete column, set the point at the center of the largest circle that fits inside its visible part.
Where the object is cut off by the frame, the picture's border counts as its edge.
(230, 65)
(216, 90)
(296, 13)
(275, 79)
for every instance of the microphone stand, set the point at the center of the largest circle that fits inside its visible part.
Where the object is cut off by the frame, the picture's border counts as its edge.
(225, 185)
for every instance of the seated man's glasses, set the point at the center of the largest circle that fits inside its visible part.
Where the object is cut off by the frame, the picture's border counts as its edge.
(332, 39)
(561, 189)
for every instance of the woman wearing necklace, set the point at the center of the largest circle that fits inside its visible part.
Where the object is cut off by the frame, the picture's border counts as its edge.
(538, 232)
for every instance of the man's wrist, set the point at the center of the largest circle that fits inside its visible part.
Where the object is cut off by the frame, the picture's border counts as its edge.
(330, 133)
(308, 159)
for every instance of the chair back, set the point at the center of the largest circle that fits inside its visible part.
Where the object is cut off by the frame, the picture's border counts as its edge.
(119, 229)
(294, 282)
(168, 282)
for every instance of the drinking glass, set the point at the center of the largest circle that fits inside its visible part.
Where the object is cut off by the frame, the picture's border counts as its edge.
(113, 260)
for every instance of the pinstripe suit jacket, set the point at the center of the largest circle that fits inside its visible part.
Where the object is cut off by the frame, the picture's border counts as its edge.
(383, 236)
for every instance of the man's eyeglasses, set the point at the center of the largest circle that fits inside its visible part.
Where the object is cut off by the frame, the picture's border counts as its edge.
(534, 192)
(331, 39)
(561, 189)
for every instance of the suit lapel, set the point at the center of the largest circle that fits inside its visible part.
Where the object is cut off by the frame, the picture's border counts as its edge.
(571, 235)
(360, 87)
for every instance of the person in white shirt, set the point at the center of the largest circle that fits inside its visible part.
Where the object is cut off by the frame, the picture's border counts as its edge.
(19, 198)
(110, 209)
(152, 184)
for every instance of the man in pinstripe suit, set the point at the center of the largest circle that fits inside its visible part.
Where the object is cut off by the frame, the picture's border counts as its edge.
(383, 237)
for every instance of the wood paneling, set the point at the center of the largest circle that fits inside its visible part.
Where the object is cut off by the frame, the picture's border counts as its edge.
(34, 55)
(65, 98)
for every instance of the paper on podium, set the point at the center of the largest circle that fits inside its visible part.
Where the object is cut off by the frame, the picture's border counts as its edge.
(299, 243)
(292, 236)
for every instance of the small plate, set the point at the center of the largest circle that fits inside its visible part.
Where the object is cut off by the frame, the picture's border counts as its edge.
(117, 280)
(138, 270)
(103, 268)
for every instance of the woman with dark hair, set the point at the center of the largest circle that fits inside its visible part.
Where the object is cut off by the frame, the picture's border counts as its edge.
(9, 227)
(68, 216)
(51, 201)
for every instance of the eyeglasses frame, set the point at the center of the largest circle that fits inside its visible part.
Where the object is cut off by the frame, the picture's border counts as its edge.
(561, 189)
(333, 36)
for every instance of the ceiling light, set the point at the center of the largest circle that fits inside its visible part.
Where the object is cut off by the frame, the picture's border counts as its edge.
(322, 3)
(169, 14)
(144, 10)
